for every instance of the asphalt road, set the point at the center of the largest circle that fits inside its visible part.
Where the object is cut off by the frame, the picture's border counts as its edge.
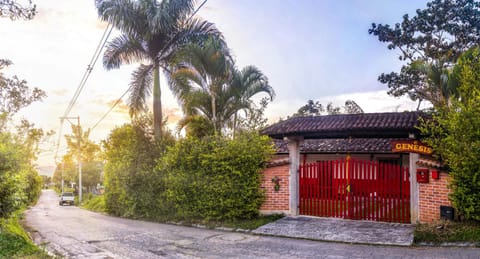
(76, 233)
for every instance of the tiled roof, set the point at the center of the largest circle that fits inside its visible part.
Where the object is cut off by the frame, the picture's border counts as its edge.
(430, 162)
(278, 162)
(393, 124)
(344, 145)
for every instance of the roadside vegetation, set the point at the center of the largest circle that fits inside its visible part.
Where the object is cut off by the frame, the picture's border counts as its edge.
(442, 66)
(209, 173)
(448, 231)
(20, 183)
(94, 203)
(15, 241)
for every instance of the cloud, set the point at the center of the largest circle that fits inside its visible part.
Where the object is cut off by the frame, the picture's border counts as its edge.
(60, 92)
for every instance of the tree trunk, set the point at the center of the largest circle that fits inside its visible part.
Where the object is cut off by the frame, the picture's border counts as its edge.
(234, 124)
(214, 114)
(157, 103)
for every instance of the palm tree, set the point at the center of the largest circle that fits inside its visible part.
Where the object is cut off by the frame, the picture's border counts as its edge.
(207, 84)
(198, 79)
(152, 32)
(247, 83)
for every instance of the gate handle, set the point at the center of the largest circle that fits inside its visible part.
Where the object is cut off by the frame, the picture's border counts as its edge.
(348, 188)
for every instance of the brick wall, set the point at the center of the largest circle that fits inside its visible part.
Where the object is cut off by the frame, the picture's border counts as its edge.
(431, 196)
(275, 201)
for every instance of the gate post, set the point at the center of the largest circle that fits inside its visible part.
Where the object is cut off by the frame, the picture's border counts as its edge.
(293, 144)
(413, 158)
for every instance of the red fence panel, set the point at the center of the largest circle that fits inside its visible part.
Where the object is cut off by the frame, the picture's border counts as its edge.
(355, 189)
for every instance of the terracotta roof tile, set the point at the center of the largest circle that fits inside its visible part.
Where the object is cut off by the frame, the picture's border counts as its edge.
(346, 125)
(344, 145)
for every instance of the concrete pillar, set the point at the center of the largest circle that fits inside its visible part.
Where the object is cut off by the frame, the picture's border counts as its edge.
(293, 144)
(414, 190)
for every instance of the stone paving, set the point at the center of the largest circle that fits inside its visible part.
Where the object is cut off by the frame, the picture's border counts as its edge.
(340, 230)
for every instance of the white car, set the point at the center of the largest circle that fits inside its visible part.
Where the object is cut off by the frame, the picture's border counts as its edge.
(67, 198)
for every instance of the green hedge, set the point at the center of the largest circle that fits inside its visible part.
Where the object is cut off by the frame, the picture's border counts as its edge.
(216, 178)
(132, 187)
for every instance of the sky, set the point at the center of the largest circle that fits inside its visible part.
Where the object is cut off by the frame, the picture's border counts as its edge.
(309, 49)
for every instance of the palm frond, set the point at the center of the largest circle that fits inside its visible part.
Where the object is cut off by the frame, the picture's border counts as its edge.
(125, 15)
(193, 31)
(140, 89)
(123, 50)
(199, 102)
(254, 82)
(183, 80)
(165, 17)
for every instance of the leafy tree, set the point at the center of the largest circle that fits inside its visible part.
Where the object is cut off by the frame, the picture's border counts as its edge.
(332, 110)
(14, 10)
(313, 108)
(310, 109)
(20, 183)
(14, 94)
(351, 107)
(89, 154)
(433, 39)
(132, 187)
(79, 145)
(152, 32)
(255, 118)
(67, 170)
(454, 135)
(9, 164)
(46, 180)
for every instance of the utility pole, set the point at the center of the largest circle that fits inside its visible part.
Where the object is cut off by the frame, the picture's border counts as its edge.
(79, 157)
(63, 169)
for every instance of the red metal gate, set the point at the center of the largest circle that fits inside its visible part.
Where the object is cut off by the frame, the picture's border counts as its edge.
(355, 189)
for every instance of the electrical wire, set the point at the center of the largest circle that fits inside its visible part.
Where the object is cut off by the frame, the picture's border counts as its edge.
(90, 66)
(123, 95)
(111, 108)
(89, 69)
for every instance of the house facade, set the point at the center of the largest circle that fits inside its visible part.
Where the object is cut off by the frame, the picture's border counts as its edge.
(358, 166)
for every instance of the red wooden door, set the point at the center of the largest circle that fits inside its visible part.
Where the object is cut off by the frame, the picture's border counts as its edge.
(355, 189)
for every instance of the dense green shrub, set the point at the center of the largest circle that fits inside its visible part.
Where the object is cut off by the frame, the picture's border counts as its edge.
(94, 203)
(216, 178)
(454, 134)
(20, 184)
(15, 242)
(132, 186)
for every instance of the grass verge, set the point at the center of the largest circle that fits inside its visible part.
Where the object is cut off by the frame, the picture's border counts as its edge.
(447, 231)
(94, 203)
(15, 242)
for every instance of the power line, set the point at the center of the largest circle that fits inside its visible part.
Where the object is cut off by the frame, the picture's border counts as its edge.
(91, 65)
(111, 108)
(89, 69)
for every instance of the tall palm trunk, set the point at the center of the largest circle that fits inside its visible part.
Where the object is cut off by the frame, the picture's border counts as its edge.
(214, 113)
(234, 124)
(157, 103)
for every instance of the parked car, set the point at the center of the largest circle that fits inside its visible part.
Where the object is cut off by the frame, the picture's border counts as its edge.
(67, 198)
